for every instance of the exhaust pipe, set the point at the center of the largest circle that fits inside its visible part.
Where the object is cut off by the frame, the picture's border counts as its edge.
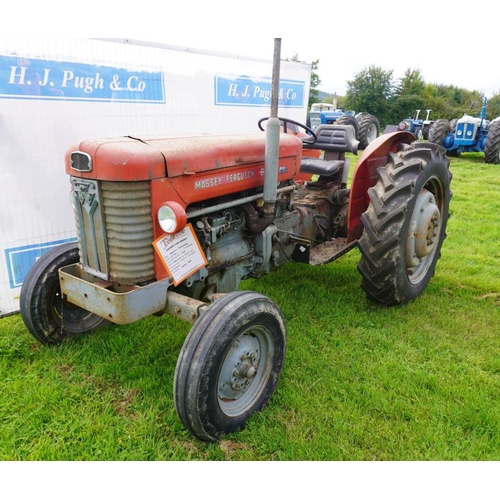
(272, 150)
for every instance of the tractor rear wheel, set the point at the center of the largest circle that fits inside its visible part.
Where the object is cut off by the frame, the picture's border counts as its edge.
(230, 364)
(425, 131)
(369, 129)
(439, 130)
(49, 317)
(405, 224)
(492, 148)
(349, 120)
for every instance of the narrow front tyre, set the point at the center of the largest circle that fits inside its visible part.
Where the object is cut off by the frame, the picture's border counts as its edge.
(49, 317)
(230, 364)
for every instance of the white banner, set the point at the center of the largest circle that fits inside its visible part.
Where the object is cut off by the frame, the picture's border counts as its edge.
(56, 93)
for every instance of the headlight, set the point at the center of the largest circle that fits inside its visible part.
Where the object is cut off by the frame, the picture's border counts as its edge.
(172, 217)
(402, 126)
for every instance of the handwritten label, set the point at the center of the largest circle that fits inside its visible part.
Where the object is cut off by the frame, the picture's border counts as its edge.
(181, 253)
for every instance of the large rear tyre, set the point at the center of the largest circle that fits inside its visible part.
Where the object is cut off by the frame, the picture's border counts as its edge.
(439, 130)
(369, 129)
(230, 364)
(425, 132)
(349, 120)
(405, 224)
(49, 317)
(492, 147)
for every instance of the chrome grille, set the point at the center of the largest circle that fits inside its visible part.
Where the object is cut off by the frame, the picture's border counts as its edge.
(115, 230)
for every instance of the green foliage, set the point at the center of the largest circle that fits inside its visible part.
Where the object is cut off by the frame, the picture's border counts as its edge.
(375, 91)
(360, 382)
(314, 82)
(369, 91)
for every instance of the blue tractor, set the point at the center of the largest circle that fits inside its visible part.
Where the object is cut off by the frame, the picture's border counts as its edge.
(469, 135)
(366, 126)
(417, 126)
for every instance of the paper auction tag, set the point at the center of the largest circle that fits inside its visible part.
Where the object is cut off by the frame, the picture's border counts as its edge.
(181, 253)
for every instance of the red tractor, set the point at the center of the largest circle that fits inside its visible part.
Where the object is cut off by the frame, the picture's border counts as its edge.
(171, 226)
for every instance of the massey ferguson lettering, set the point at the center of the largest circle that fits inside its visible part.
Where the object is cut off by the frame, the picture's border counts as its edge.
(224, 179)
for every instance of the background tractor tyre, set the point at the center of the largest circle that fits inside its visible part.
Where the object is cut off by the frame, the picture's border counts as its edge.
(405, 224)
(418, 133)
(439, 130)
(230, 364)
(369, 129)
(453, 125)
(425, 132)
(492, 147)
(46, 314)
(349, 120)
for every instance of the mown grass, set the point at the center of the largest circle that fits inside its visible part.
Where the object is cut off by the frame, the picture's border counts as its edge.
(360, 382)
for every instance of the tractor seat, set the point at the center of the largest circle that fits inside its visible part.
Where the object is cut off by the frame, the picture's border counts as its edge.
(336, 138)
(317, 166)
(332, 139)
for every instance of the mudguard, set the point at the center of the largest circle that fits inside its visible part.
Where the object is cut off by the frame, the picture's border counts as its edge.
(365, 176)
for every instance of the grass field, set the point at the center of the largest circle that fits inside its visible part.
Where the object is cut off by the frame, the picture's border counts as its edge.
(360, 382)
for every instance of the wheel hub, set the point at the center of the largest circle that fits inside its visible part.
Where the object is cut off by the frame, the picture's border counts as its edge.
(240, 368)
(423, 234)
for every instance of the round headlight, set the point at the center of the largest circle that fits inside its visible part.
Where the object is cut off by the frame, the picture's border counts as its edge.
(402, 126)
(172, 217)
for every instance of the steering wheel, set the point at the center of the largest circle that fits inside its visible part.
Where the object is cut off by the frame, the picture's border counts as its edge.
(305, 140)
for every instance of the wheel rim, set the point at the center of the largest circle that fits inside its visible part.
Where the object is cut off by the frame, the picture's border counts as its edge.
(245, 371)
(371, 133)
(424, 232)
(70, 317)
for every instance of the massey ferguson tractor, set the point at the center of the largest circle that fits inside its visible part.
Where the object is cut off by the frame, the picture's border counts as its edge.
(172, 225)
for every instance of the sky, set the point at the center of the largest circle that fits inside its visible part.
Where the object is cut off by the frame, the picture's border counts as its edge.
(451, 44)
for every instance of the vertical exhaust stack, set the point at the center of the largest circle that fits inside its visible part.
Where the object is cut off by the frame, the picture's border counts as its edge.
(272, 139)
(255, 223)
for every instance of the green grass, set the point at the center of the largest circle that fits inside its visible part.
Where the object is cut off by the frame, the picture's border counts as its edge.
(360, 382)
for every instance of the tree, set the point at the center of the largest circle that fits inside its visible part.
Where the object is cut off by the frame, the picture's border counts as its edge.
(408, 96)
(493, 106)
(411, 83)
(369, 91)
(315, 79)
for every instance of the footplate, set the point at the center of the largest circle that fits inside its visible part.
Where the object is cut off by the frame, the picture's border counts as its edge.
(330, 250)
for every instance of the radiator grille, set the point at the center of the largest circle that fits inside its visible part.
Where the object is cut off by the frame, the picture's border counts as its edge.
(115, 229)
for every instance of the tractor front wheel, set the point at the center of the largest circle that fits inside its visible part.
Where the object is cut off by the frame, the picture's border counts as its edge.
(405, 224)
(230, 364)
(49, 317)
(492, 148)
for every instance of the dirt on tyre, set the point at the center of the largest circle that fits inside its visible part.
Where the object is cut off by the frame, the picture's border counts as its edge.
(405, 224)
(492, 147)
(49, 317)
(368, 129)
(230, 364)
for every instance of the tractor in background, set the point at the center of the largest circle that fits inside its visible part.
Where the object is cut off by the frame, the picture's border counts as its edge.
(366, 126)
(469, 134)
(417, 126)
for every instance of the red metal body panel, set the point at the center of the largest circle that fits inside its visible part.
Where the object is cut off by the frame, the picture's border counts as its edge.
(119, 159)
(129, 159)
(365, 176)
(187, 169)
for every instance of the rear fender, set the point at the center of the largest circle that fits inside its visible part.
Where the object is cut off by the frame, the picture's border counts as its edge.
(365, 176)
